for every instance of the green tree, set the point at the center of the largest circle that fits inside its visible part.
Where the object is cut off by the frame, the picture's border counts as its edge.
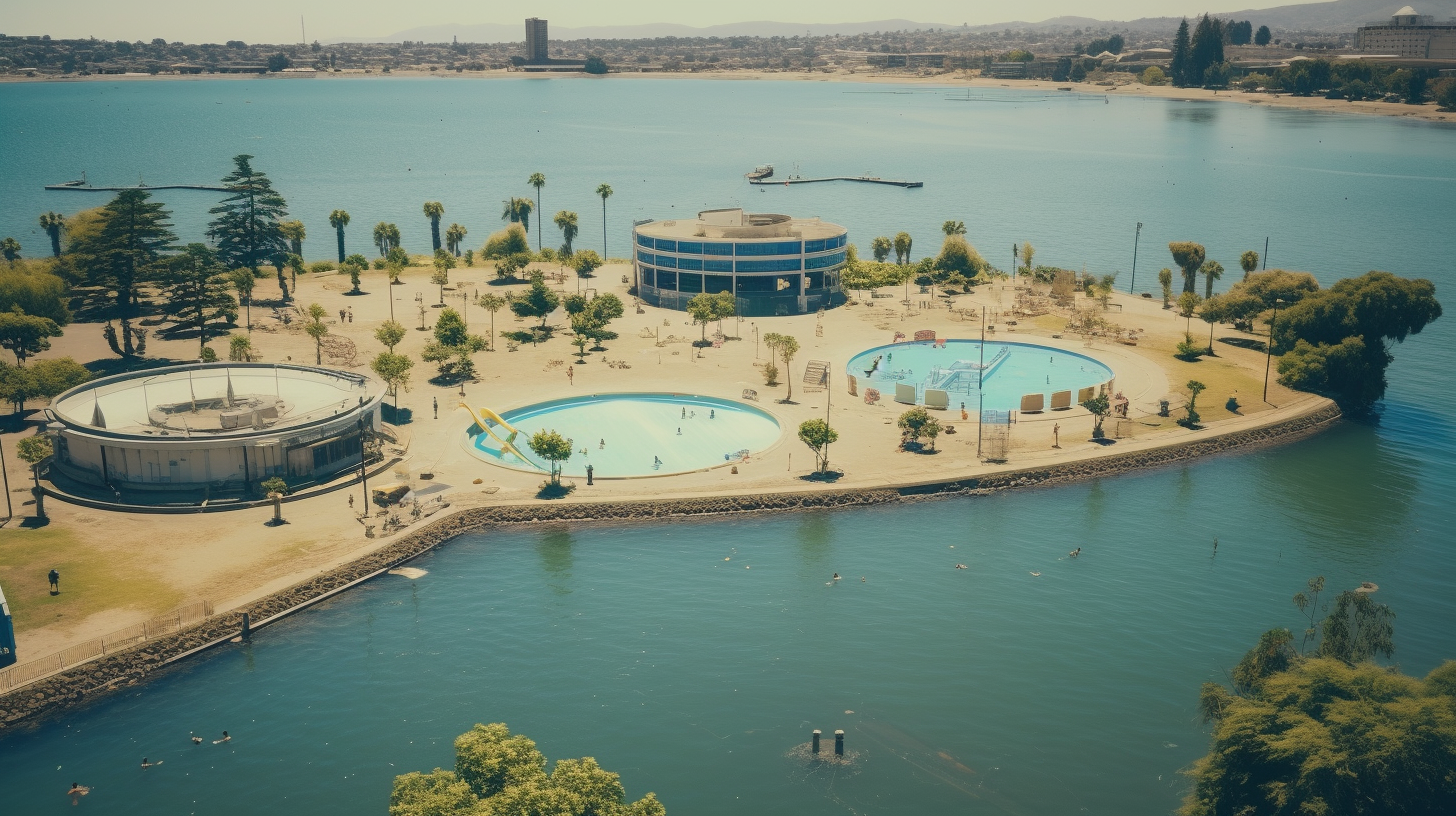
(10, 250)
(1189, 257)
(53, 223)
(903, 243)
(817, 434)
(452, 347)
(33, 450)
(390, 334)
(585, 262)
(1100, 408)
(1277, 285)
(36, 293)
(604, 191)
(240, 348)
(566, 222)
(1182, 56)
(595, 65)
(492, 303)
(786, 347)
(953, 228)
(454, 237)
(538, 180)
(386, 237)
(444, 262)
(1188, 306)
(1028, 252)
(1211, 271)
(246, 227)
(518, 211)
(505, 243)
(912, 424)
(123, 251)
(1338, 341)
(1206, 51)
(394, 371)
(315, 327)
(880, 248)
(1249, 261)
(338, 219)
(552, 447)
(1263, 36)
(42, 379)
(26, 335)
(353, 267)
(538, 301)
(243, 280)
(1357, 629)
(1165, 280)
(293, 232)
(1191, 420)
(958, 257)
(195, 291)
(703, 311)
(1153, 75)
(433, 211)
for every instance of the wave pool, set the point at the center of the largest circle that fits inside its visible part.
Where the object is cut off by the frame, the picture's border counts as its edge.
(624, 435)
(1011, 371)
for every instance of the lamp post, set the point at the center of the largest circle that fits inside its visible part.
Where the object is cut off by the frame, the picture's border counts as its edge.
(1269, 346)
(363, 457)
(1135, 238)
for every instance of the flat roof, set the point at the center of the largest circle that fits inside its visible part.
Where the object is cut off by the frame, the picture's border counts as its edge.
(738, 225)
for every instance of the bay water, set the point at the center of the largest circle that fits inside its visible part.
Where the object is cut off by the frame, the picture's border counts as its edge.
(984, 690)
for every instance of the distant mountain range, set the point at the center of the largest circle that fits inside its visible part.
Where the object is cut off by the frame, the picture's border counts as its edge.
(1331, 17)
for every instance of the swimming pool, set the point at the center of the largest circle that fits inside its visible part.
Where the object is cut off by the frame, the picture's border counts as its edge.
(622, 435)
(1011, 371)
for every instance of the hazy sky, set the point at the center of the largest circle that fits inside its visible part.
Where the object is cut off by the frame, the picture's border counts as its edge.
(277, 20)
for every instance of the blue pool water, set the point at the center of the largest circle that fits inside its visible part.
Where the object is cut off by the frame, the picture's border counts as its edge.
(636, 434)
(1012, 370)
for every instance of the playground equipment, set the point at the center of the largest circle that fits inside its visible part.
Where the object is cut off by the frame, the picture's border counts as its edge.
(483, 416)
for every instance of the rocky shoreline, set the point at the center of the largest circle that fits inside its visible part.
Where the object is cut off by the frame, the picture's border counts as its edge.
(81, 684)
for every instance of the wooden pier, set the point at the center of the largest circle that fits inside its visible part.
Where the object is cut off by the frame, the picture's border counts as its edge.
(863, 179)
(85, 186)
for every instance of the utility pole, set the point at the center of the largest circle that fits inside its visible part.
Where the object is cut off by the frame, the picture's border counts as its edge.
(1265, 259)
(1135, 238)
(1269, 346)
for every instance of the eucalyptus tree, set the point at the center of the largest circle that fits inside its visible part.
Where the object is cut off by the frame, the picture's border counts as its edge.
(566, 222)
(338, 219)
(433, 211)
(537, 180)
(605, 192)
(52, 223)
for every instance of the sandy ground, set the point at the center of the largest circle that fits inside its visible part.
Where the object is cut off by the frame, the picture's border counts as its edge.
(1429, 111)
(118, 569)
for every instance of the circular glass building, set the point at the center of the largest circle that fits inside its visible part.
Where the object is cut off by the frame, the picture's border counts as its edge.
(773, 264)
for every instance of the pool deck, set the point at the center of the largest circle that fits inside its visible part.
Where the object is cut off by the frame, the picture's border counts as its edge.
(232, 559)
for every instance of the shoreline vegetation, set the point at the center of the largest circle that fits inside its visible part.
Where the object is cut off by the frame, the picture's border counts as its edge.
(1430, 111)
(85, 682)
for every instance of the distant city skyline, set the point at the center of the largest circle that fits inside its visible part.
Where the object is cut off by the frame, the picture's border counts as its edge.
(275, 21)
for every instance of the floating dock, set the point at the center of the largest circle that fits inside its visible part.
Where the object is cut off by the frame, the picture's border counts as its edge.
(83, 185)
(863, 179)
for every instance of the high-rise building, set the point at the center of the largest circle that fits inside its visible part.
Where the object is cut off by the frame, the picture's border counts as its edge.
(1409, 34)
(536, 40)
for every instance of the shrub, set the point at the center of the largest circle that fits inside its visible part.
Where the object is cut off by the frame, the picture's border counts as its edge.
(770, 374)
(510, 241)
(318, 267)
(1154, 76)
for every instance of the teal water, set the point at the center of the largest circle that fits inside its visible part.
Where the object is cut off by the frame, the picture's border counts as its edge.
(1013, 370)
(985, 690)
(623, 435)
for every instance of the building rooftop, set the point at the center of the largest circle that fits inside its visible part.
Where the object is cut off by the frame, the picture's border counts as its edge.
(735, 224)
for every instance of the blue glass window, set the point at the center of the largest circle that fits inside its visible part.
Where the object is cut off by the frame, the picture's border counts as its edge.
(836, 242)
(670, 246)
(643, 240)
(647, 276)
(718, 266)
(667, 261)
(690, 247)
(645, 257)
(815, 246)
(690, 282)
(779, 265)
(713, 284)
(666, 280)
(824, 260)
(717, 249)
(690, 263)
(775, 248)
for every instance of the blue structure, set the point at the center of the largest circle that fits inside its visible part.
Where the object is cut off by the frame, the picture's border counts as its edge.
(7, 633)
(773, 264)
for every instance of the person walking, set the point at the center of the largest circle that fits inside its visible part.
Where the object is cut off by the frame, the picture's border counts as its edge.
(571, 375)
(55, 578)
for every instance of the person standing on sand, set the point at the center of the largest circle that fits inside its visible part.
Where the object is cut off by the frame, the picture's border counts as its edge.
(55, 578)
(571, 375)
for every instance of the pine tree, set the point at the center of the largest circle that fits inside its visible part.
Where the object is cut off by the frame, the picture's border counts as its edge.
(1181, 56)
(125, 252)
(196, 291)
(1207, 49)
(246, 228)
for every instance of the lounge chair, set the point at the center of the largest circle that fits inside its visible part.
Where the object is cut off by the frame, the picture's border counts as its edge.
(936, 398)
(1085, 394)
(750, 394)
(905, 393)
(1032, 403)
(1061, 400)
(925, 334)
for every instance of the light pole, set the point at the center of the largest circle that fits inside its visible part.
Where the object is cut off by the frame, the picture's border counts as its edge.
(1269, 346)
(363, 458)
(1265, 259)
(1135, 238)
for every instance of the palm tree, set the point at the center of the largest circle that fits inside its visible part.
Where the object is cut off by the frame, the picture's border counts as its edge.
(386, 237)
(491, 303)
(605, 191)
(52, 223)
(1249, 261)
(880, 248)
(566, 222)
(903, 243)
(953, 228)
(1212, 271)
(518, 210)
(294, 233)
(537, 180)
(433, 211)
(242, 280)
(338, 219)
(454, 237)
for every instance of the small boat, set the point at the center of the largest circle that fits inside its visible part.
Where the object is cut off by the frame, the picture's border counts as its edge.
(762, 171)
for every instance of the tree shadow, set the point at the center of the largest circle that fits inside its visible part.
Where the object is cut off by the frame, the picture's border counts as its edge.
(1244, 343)
(108, 366)
(827, 477)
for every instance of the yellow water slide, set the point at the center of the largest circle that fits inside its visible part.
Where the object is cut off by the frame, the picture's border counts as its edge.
(483, 416)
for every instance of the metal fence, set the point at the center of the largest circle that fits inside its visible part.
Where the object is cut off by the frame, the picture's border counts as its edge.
(32, 670)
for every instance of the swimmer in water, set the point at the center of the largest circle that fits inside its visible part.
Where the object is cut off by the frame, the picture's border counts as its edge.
(836, 576)
(1075, 553)
(76, 792)
(679, 431)
(602, 444)
(712, 413)
(196, 740)
(225, 738)
(147, 764)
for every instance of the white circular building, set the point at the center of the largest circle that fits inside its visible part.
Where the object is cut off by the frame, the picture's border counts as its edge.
(773, 264)
(210, 431)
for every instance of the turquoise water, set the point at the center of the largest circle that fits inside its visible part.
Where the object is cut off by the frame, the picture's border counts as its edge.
(1071, 692)
(1012, 371)
(637, 434)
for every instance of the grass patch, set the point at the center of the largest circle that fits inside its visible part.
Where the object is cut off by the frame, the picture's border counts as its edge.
(92, 580)
(1223, 378)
